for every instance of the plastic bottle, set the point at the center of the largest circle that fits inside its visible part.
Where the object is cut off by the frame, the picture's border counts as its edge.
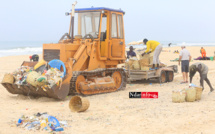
(59, 129)
(192, 85)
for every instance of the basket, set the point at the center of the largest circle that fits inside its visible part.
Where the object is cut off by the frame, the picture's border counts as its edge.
(178, 96)
(191, 94)
(129, 64)
(32, 78)
(198, 93)
(78, 104)
(136, 65)
(8, 78)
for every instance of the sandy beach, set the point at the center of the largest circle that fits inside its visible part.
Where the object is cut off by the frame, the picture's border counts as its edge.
(115, 113)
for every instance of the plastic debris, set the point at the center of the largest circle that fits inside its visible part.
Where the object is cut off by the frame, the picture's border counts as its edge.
(45, 78)
(192, 85)
(41, 122)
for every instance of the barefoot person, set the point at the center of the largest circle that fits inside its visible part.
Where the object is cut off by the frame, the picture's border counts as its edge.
(157, 48)
(184, 59)
(203, 71)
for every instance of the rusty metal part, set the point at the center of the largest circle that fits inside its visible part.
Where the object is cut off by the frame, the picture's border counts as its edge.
(29, 63)
(170, 76)
(50, 54)
(98, 85)
(28, 90)
(162, 78)
(98, 72)
(79, 79)
(117, 78)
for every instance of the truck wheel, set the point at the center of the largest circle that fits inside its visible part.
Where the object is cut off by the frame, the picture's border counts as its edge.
(170, 76)
(162, 78)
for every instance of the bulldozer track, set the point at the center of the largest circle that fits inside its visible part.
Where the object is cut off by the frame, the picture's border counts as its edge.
(97, 72)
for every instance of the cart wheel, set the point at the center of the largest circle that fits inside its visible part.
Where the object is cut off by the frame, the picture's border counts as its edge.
(170, 76)
(162, 78)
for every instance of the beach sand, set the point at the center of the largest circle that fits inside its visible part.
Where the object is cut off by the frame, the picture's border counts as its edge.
(115, 113)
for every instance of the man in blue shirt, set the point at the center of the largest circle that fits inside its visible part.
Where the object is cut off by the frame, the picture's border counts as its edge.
(131, 53)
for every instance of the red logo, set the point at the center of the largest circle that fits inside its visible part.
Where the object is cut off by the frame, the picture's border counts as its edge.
(152, 95)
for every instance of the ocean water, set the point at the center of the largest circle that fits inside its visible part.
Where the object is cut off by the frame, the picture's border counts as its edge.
(10, 48)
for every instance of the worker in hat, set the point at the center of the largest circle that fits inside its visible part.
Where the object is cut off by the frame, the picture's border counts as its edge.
(34, 57)
(203, 52)
(203, 71)
(153, 46)
(131, 52)
(184, 60)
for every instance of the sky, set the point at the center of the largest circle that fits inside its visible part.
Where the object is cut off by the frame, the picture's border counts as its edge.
(161, 20)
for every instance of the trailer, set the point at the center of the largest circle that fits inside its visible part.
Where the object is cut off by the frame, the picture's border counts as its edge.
(162, 75)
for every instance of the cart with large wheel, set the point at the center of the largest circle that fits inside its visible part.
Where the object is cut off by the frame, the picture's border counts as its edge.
(162, 75)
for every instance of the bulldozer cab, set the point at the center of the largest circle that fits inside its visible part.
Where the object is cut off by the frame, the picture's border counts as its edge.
(103, 26)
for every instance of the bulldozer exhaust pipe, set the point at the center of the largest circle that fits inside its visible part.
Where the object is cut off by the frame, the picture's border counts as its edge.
(72, 21)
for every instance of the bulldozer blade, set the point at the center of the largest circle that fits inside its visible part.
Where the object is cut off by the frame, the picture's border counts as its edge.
(57, 92)
(29, 63)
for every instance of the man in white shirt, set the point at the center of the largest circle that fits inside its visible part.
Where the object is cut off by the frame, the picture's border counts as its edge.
(184, 58)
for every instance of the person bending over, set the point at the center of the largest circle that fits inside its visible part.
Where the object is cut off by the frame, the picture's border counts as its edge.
(203, 71)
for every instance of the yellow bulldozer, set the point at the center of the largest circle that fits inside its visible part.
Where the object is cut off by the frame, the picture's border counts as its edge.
(91, 51)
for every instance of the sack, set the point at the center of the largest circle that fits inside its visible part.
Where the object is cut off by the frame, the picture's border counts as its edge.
(198, 93)
(32, 78)
(128, 65)
(178, 96)
(136, 65)
(191, 94)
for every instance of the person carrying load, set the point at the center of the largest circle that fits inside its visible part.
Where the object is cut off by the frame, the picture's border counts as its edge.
(203, 71)
(155, 47)
(203, 52)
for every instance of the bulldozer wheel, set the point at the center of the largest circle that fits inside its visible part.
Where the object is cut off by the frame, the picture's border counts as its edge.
(117, 78)
(80, 78)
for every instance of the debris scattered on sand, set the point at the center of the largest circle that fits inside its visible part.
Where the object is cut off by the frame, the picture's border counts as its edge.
(40, 122)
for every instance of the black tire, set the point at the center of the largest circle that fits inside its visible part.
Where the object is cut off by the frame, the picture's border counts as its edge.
(170, 76)
(162, 78)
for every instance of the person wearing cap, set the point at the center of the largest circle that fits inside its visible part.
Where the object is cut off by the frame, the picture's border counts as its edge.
(203, 71)
(131, 52)
(184, 59)
(153, 46)
(203, 52)
(34, 57)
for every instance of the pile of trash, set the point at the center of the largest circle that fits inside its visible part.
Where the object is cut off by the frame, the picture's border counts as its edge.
(41, 122)
(41, 75)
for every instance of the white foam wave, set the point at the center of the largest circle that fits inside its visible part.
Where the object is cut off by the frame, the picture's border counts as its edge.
(195, 44)
(21, 51)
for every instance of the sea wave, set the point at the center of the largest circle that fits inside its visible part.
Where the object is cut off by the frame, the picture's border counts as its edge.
(176, 44)
(21, 51)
